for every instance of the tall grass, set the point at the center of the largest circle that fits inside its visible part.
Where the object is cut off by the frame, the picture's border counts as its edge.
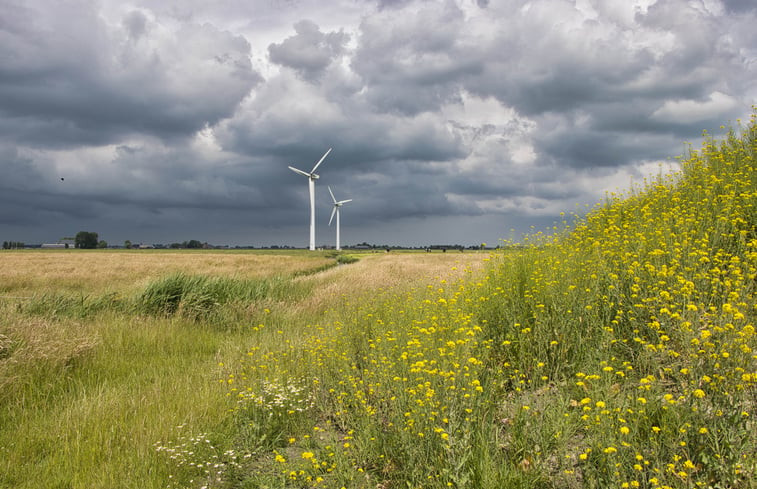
(198, 296)
(91, 384)
(100, 389)
(84, 404)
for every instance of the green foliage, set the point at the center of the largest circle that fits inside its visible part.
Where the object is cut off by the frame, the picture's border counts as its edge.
(198, 296)
(86, 240)
(58, 305)
(341, 257)
(346, 259)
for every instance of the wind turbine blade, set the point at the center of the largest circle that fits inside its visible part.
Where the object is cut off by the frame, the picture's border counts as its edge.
(321, 160)
(332, 215)
(343, 201)
(299, 171)
(332, 194)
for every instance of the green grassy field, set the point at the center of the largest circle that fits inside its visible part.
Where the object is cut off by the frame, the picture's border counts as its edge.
(619, 353)
(97, 369)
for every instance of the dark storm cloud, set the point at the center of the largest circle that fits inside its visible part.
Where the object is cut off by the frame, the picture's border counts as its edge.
(69, 77)
(596, 148)
(447, 119)
(284, 121)
(539, 67)
(136, 25)
(414, 63)
(142, 175)
(31, 196)
(383, 4)
(740, 6)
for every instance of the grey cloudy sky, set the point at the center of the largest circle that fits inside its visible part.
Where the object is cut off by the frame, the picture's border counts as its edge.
(450, 121)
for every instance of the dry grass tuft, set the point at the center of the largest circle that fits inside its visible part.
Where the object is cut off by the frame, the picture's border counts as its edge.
(28, 343)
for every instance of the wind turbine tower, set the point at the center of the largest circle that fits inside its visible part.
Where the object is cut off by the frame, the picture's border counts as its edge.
(312, 177)
(337, 205)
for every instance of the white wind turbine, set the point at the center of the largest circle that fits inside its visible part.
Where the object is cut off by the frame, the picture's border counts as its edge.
(337, 205)
(312, 177)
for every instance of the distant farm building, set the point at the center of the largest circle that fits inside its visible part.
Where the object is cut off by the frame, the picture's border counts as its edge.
(54, 245)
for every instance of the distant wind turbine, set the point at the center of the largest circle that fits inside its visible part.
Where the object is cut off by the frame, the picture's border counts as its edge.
(337, 205)
(312, 177)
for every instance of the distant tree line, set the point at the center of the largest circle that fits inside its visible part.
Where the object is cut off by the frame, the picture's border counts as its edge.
(191, 244)
(90, 240)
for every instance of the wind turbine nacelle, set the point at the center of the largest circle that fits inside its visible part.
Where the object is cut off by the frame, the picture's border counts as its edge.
(314, 176)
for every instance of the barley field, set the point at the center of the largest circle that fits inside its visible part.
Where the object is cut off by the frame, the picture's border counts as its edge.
(618, 352)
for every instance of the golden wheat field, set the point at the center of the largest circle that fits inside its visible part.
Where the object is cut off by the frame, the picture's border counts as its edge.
(30, 271)
(90, 271)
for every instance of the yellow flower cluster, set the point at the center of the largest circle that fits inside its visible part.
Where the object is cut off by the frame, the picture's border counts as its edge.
(649, 304)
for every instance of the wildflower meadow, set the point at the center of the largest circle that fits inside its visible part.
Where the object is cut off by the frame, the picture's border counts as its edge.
(617, 353)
